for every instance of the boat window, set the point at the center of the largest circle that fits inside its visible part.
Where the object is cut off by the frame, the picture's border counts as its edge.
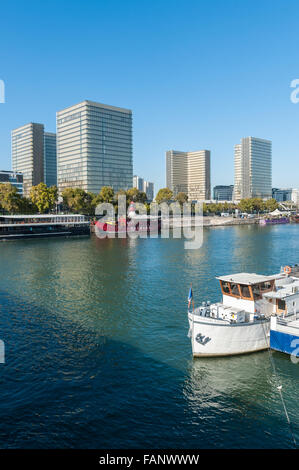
(245, 292)
(234, 289)
(256, 292)
(265, 286)
(281, 305)
(225, 287)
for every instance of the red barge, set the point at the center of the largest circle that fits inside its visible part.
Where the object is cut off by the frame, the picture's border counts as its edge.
(138, 223)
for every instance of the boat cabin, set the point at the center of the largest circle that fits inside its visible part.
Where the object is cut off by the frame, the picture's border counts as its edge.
(244, 290)
(285, 298)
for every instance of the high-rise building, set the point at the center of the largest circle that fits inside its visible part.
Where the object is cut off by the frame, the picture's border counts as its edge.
(144, 186)
(138, 183)
(189, 172)
(282, 195)
(50, 161)
(148, 189)
(253, 169)
(94, 147)
(16, 179)
(27, 145)
(295, 196)
(223, 193)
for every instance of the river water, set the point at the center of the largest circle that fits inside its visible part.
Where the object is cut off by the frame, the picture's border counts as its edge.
(97, 353)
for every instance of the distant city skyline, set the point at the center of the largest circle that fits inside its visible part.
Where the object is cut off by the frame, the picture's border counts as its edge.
(126, 61)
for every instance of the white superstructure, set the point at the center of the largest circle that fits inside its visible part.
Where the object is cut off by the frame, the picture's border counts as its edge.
(241, 322)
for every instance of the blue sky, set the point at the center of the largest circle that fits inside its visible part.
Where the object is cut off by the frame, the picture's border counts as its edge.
(197, 74)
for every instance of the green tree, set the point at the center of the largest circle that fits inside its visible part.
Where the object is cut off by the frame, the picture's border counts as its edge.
(43, 197)
(78, 201)
(135, 195)
(106, 194)
(164, 195)
(181, 198)
(245, 205)
(27, 206)
(10, 199)
(271, 205)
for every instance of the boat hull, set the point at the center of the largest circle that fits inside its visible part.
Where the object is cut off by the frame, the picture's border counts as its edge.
(284, 337)
(17, 232)
(214, 339)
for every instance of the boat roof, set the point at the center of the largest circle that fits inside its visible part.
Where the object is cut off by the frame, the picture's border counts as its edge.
(247, 278)
(285, 291)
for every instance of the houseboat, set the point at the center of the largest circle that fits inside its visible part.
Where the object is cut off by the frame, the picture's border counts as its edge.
(133, 223)
(275, 221)
(241, 322)
(14, 227)
(284, 327)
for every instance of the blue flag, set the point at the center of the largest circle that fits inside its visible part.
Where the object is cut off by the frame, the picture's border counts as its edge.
(190, 297)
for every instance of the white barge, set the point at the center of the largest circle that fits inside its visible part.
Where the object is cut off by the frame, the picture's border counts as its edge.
(239, 324)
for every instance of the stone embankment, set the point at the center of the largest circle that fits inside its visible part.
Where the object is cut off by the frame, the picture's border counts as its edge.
(208, 221)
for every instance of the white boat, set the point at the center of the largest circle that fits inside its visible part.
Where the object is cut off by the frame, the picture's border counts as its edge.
(240, 324)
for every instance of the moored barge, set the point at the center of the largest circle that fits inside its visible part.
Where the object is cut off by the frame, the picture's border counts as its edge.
(14, 227)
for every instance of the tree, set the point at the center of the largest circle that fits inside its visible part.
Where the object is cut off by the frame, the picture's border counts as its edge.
(78, 201)
(106, 194)
(43, 197)
(257, 205)
(181, 198)
(135, 195)
(10, 199)
(271, 205)
(27, 206)
(164, 195)
(245, 205)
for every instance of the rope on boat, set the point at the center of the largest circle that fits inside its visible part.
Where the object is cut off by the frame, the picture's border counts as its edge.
(279, 388)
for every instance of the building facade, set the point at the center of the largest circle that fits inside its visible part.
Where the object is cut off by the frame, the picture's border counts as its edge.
(189, 172)
(282, 195)
(16, 179)
(50, 160)
(223, 193)
(295, 196)
(27, 147)
(138, 183)
(148, 188)
(94, 147)
(253, 169)
(144, 186)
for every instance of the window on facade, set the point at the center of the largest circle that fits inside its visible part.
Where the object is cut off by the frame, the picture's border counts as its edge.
(245, 292)
(234, 289)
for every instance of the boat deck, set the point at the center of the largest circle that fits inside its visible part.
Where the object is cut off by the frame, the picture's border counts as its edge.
(288, 327)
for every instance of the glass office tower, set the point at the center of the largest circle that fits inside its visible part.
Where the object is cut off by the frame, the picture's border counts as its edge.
(27, 148)
(253, 169)
(50, 160)
(94, 147)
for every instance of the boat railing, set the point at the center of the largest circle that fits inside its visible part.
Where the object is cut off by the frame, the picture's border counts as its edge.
(37, 220)
(288, 318)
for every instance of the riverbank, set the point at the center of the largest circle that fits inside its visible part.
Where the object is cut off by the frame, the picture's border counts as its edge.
(214, 221)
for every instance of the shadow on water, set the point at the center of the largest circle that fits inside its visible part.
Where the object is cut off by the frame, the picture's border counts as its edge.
(64, 385)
